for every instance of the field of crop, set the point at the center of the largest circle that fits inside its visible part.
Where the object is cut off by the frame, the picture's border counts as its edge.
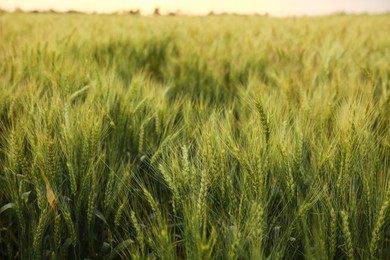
(219, 137)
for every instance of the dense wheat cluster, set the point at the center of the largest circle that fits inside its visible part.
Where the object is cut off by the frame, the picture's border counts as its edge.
(220, 137)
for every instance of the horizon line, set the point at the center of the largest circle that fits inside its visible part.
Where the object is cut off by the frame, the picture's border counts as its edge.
(178, 12)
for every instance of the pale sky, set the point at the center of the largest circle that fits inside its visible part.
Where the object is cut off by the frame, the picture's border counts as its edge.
(273, 7)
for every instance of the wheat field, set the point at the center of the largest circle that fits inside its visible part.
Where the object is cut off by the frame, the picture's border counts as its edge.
(218, 137)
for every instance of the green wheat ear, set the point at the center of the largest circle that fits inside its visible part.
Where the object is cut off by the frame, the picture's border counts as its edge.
(57, 230)
(172, 186)
(139, 234)
(347, 235)
(119, 214)
(200, 205)
(333, 233)
(380, 221)
(185, 165)
(71, 227)
(39, 233)
(91, 200)
(141, 139)
(152, 203)
(264, 120)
